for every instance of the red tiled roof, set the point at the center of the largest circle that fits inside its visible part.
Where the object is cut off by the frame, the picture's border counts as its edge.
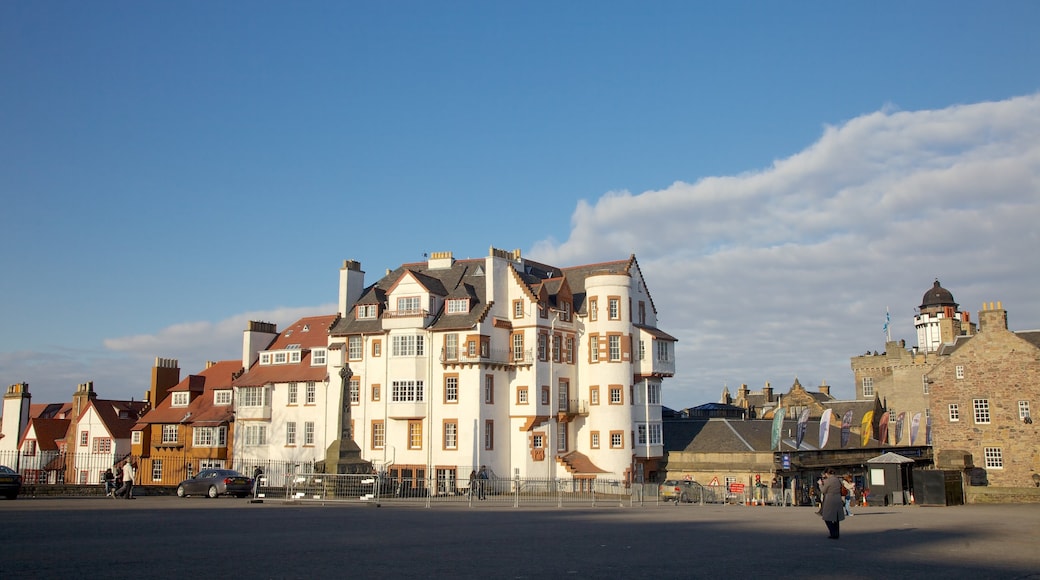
(48, 432)
(282, 373)
(217, 376)
(309, 332)
(316, 336)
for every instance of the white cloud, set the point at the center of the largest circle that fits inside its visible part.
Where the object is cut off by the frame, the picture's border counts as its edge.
(122, 368)
(787, 272)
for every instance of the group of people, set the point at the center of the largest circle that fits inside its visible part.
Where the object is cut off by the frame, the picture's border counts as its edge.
(126, 474)
(836, 495)
(477, 480)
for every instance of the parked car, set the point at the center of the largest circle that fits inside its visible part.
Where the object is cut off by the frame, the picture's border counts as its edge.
(10, 482)
(683, 491)
(216, 482)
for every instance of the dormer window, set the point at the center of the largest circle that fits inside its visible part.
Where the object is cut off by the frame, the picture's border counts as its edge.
(180, 399)
(295, 356)
(280, 357)
(265, 358)
(306, 328)
(366, 311)
(222, 397)
(458, 306)
(318, 357)
(566, 314)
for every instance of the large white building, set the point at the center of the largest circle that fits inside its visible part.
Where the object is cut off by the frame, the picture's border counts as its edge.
(283, 414)
(532, 370)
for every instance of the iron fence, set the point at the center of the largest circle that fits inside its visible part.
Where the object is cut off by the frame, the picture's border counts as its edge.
(501, 492)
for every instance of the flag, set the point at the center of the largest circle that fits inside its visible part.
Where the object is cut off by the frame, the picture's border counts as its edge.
(899, 426)
(888, 320)
(803, 424)
(915, 424)
(846, 428)
(866, 428)
(778, 423)
(825, 427)
(882, 435)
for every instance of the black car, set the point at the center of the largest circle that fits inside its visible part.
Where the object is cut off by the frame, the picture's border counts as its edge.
(10, 482)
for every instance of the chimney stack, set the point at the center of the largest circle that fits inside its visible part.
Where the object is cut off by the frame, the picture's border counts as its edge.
(992, 318)
(165, 374)
(351, 285)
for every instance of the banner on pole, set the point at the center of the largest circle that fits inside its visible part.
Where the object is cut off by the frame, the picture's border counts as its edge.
(866, 428)
(803, 424)
(846, 428)
(825, 427)
(778, 423)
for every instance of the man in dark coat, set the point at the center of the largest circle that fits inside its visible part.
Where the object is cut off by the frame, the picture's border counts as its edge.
(833, 509)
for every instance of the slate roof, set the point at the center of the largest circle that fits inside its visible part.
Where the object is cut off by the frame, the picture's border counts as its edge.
(463, 279)
(753, 435)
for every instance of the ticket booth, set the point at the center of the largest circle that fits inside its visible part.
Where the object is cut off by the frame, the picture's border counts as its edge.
(890, 480)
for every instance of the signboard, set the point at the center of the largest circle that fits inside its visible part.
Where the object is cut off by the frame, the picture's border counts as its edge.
(714, 482)
(785, 461)
(687, 477)
(736, 488)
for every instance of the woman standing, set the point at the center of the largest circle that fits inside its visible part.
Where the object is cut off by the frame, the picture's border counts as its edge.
(833, 510)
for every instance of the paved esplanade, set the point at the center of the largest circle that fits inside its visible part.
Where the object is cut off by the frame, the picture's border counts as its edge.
(173, 537)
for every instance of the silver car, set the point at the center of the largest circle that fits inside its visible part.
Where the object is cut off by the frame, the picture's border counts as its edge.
(216, 482)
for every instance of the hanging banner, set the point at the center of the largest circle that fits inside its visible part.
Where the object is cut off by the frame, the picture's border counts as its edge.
(915, 424)
(825, 427)
(778, 423)
(846, 428)
(900, 418)
(866, 428)
(803, 425)
(882, 435)
(928, 431)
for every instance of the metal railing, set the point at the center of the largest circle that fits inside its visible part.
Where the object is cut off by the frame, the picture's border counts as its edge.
(428, 492)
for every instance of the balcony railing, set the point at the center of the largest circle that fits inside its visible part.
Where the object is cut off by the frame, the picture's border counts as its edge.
(576, 407)
(494, 356)
(410, 313)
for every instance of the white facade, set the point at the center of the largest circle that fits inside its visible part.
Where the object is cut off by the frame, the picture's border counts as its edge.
(528, 369)
(285, 403)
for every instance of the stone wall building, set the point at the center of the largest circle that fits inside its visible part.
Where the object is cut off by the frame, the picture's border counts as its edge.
(897, 375)
(982, 393)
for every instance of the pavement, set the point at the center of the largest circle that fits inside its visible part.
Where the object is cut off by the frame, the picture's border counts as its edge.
(160, 537)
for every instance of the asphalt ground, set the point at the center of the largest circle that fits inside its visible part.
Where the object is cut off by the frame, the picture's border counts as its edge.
(167, 537)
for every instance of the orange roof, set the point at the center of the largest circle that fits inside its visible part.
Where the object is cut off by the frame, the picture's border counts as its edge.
(282, 373)
(217, 376)
(309, 332)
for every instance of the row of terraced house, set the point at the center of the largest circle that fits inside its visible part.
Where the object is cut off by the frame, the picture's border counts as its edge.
(436, 369)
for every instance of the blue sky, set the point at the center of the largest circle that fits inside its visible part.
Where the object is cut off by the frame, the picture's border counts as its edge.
(784, 172)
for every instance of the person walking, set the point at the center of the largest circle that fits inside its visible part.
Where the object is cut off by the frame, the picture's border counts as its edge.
(482, 478)
(473, 483)
(129, 472)
(832, 507)
(848, 492)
